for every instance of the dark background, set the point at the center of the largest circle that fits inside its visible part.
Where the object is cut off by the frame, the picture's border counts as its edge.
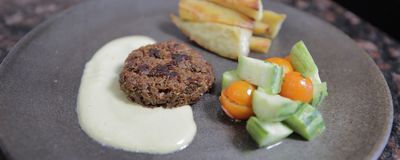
(384, 14)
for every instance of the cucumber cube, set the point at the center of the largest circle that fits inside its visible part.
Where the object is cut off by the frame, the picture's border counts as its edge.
(303, 62)
(320, 91)
(307, 122)
(263, 74)
(267, 133)
(273, 108)
(228, 77)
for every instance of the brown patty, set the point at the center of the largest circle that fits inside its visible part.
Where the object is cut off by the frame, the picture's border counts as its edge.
(167, 74)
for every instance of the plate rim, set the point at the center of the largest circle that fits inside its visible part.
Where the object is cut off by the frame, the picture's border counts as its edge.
(380, 146)
(377, 149)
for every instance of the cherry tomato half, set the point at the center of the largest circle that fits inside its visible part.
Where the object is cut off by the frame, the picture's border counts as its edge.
(233, 110)
(296, 87)
(240, 92)
(284, 63)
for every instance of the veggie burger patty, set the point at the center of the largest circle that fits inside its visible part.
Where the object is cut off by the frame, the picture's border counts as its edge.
(167, 74)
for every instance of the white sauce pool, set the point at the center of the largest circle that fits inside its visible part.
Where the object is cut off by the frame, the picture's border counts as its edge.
(107, 116)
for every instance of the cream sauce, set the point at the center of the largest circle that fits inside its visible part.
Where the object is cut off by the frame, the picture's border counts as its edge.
(107, 116)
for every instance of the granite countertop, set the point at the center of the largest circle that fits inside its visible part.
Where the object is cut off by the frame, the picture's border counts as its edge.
(19, 16)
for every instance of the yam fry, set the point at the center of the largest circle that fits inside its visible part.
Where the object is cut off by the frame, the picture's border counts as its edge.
(250, 8)
(260, 44)
(224, 40)
(204, 11)
(260, 28)
(274, 20)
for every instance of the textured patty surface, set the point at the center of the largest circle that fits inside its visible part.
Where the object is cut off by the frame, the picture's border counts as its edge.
(167, 74)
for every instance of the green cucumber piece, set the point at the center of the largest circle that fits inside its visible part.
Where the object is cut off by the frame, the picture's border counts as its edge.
(267, 133)
(228, 77)
(263, 74)
(307, 122)
(303, 62)
(273, 108)
(320, 91)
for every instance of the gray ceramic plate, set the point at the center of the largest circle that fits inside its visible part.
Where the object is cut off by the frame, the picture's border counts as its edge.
(40, 80)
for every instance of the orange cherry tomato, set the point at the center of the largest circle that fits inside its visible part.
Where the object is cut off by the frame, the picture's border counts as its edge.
(296, 87)
(233, 110)
(288, 58)
(283, 62)
(240, 92)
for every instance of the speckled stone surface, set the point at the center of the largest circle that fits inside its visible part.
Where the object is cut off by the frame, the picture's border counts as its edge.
(19, 16)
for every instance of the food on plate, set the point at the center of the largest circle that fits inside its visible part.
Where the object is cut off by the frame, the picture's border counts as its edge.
(260, 44)
(225, 26)
(303, 62)
(204, 11)
(273, 108)
(320, 91)
(260, 28)
(167, 74)
(236, 100)
(240, 92)
(110, 118)
(283, 96)
(297, 87)
(284, 63)
(274, 21)
(250, 8)
(228, 77)
(265, 75)
(307, 122)
(227, 41)
(267, 133)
